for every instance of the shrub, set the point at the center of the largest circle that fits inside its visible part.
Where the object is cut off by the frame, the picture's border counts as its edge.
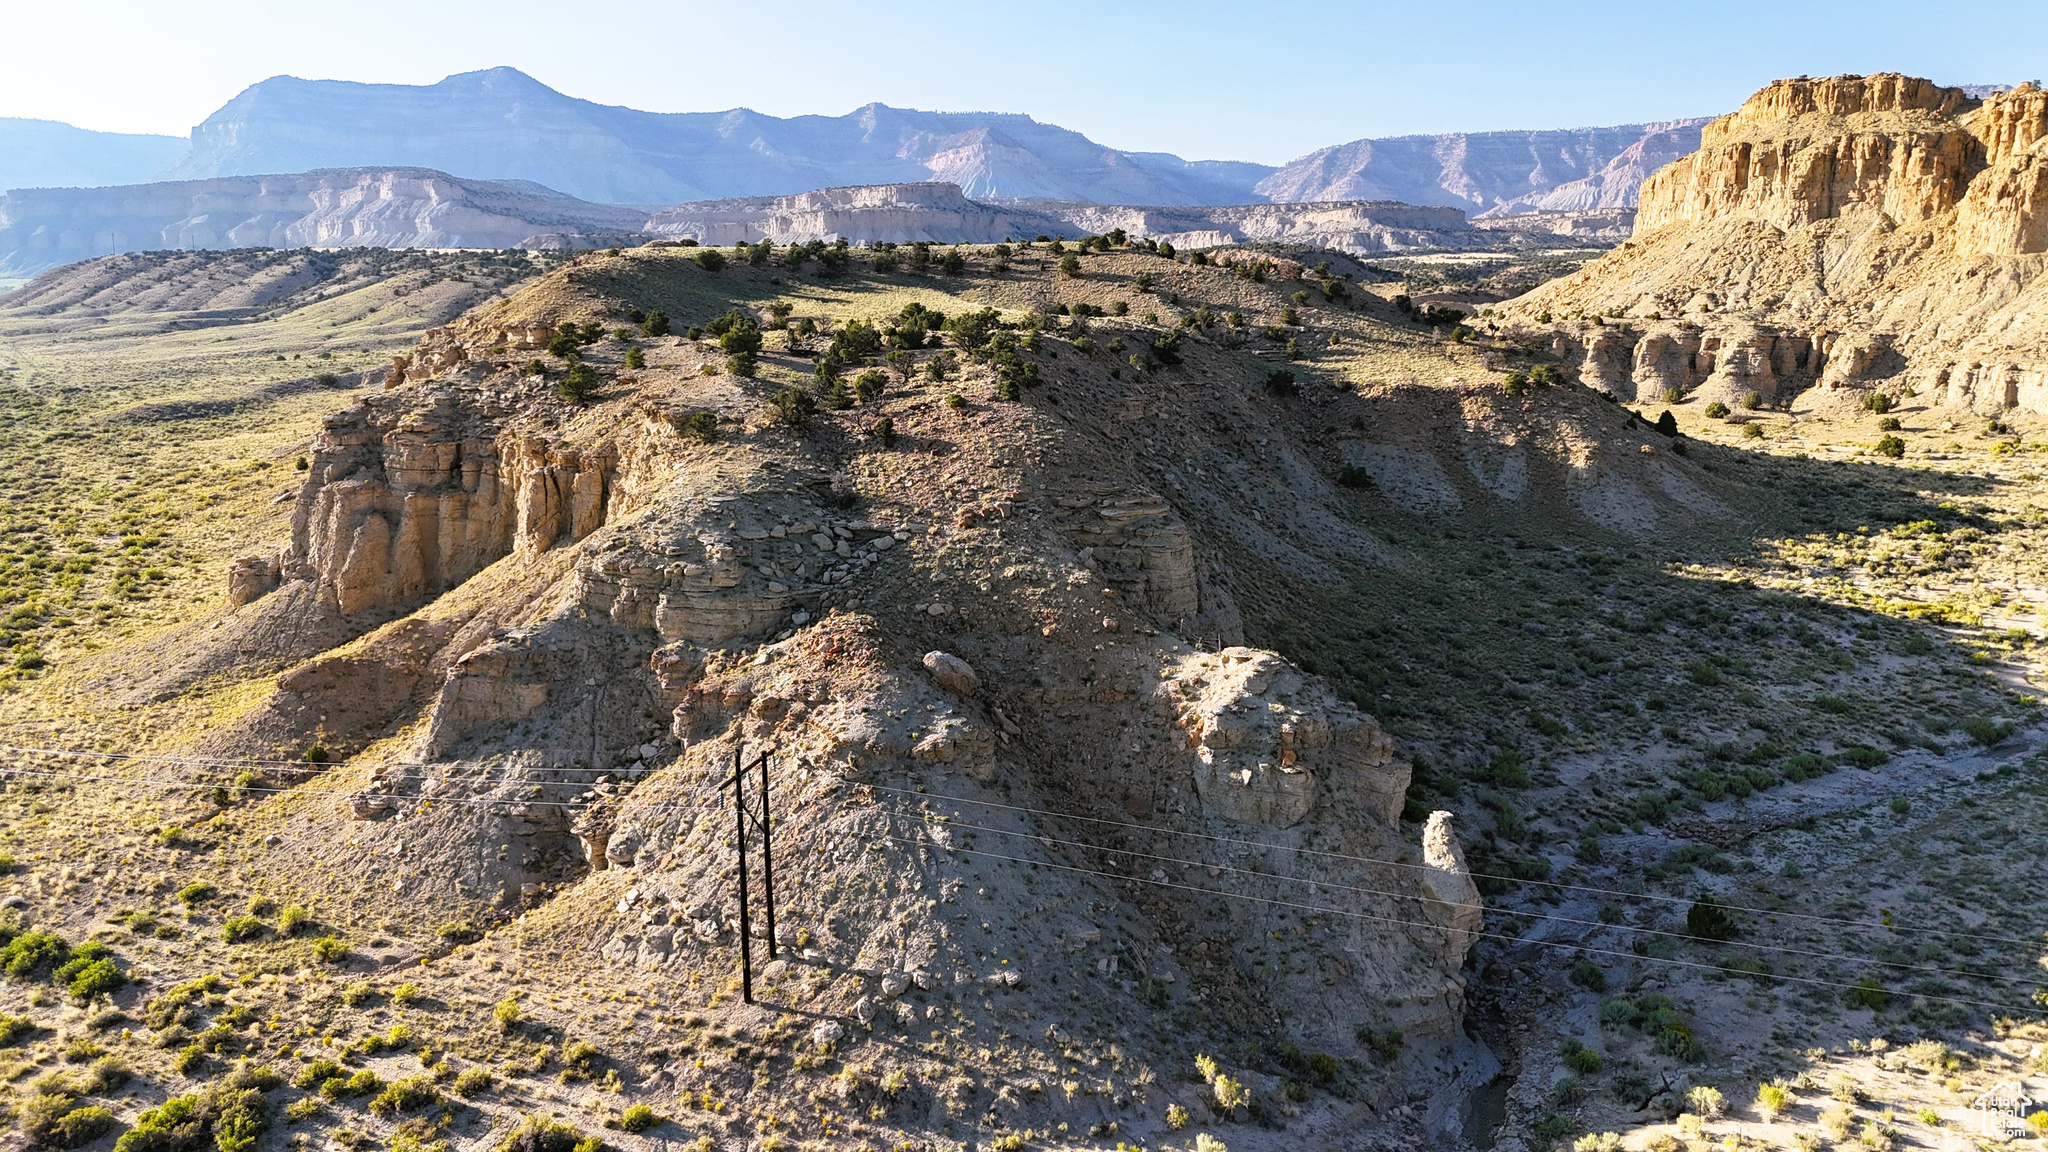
(639, 1118)
(972, 329)
(1878, 403)
(1598, 1142)
(1716, 410)
(1706, 1101)
(537, 1133)
(315, 1074)
(1708, 919)
(1891, 446)
(580, 1060)
(1070, 265)
(700, 426)
(236, 929)
(1230, 1093)
(1890, 424)
(1281, 382)
(1352, 476)
(1752, 431)
(711, 260)
(636, 358)
(884, 430)
(1177, 1117)
(15, 1029)
(472, 1081)
(1386, 1044)
(197, 892)
(1986, 731)
(506, 1012)
(655, 323)
(358, 993)
(1752, 400)
(579, 384)
(96, 978)
(794, 408)
(408, 1095)
(304, 1108)
(1515, 384)
(291, 919)
(330, 948)
(1589, 976)
(188, 1060)
(459, 932)
(31, 952)
(1667, 424)
(1868, 993)
(74, 1128)
(1579, 1058)
(1772, 1099)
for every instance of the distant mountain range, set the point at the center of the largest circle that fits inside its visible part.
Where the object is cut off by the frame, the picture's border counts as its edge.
(500, 124)
(1491, 173)
(47, 154)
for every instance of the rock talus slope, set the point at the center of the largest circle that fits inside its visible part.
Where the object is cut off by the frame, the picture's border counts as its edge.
(1868, 232)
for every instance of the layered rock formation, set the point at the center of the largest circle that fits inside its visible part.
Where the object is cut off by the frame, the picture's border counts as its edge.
(373, 208)
(410, 495)
(1870, 232)
(1265, 737)
(1492, 173)
(941, 213)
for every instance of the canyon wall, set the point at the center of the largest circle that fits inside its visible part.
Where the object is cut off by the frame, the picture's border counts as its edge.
(1878, 232)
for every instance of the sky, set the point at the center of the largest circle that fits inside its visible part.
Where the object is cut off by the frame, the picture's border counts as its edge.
(1204, 79)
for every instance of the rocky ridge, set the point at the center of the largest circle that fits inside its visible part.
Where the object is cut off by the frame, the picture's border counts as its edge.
(567, 622)
(1877, 232)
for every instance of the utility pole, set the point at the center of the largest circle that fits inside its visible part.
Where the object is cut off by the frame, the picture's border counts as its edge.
(765, 823)
(739, 808)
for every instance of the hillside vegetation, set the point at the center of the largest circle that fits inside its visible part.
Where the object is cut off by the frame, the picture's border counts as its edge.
(436, 841)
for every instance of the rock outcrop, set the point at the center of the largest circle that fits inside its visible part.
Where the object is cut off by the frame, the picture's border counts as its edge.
(1264, 737)
(1853, 232)
(409, 495)
(942, 213)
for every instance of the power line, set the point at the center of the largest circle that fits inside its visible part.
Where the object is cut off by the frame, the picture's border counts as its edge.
(1177, 886)
(1595, 924)
(232, 761)
(1423, 924)
(475, 801)
(1475, 875)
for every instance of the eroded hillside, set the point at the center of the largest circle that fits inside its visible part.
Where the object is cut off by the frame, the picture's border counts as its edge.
(1115, 628)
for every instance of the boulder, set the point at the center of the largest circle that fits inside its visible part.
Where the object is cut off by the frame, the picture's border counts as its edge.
(251, 578)
(952, 673)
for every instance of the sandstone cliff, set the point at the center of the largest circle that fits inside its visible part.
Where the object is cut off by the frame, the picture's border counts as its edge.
(940, 213)
(1870, 232)
(1494, 173)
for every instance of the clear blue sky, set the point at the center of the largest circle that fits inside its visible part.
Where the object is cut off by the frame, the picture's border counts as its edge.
(1251, 81)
